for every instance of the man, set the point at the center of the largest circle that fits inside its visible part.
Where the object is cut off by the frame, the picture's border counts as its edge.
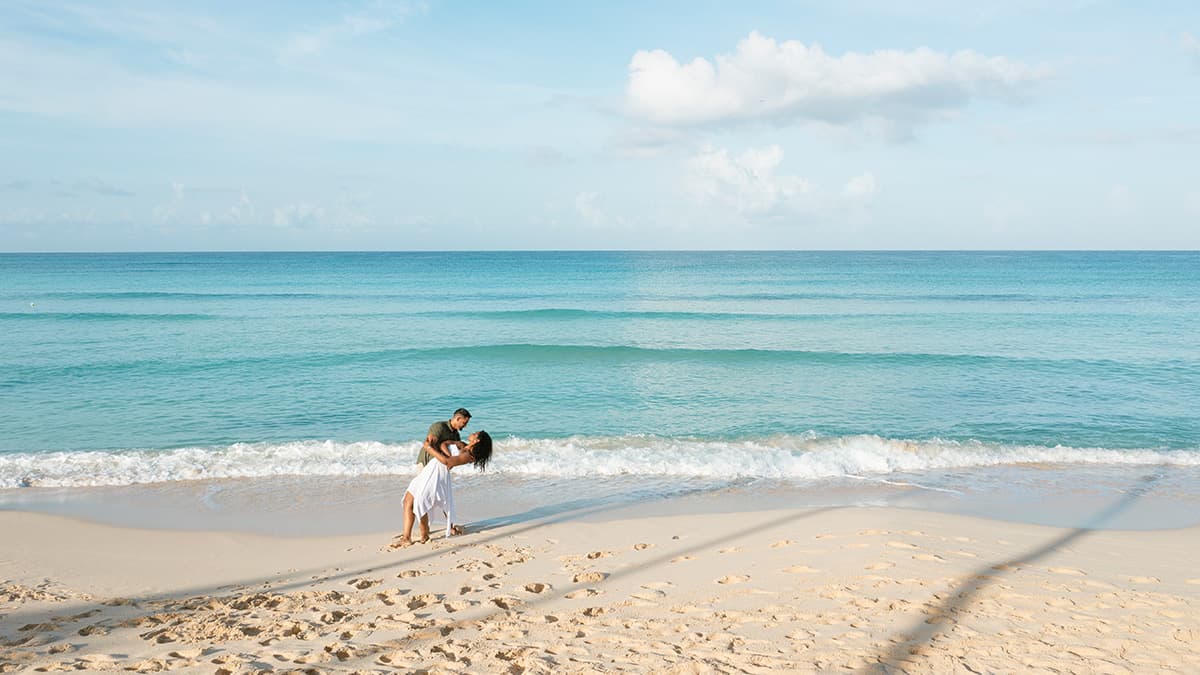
(440, 432)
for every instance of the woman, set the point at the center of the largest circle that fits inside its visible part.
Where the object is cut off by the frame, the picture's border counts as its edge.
(430, 490)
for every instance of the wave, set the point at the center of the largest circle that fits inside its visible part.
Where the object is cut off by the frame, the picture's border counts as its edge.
(154, 295)
(795, 458)
(99, 316)
(549, 353)
(563, 314)
(551, 295)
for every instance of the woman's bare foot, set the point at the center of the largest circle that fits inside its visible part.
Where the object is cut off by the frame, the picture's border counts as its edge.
(457, 530)
(402, 542)
(424, 540)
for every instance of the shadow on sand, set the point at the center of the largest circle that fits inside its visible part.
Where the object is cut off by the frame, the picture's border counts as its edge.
(908, 645)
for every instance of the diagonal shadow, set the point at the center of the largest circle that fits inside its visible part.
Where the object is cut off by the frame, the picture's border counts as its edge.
(923, 634)
(370, 650)
(529, 520)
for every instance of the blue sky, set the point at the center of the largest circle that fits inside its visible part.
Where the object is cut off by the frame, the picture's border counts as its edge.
(382, 125)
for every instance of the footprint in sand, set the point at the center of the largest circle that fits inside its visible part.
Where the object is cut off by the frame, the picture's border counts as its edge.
(642, 547)
(782, 542)
(589, 577)
(682, 558)
(423, 600)
(408, 574)
(1070, 571)
(965, 554)
(363, 584)
(871, 532)
(391, 596)
(1145, 580)
(537, 587)
(901, 544)
(599, 554)
(658, 585)
(731, 549)
(733, 579)
(929, 557)
(583, 593)
(649, 595)
(1187, 636)
(801, 569)
(881, 566)
(505, 602)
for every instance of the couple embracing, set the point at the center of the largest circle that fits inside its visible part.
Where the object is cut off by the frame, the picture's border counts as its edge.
(430, 490)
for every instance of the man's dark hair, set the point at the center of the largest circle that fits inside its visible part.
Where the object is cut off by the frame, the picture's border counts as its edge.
(461, 411)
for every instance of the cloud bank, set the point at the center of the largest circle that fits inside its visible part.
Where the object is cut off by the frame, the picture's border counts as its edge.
(790, 82)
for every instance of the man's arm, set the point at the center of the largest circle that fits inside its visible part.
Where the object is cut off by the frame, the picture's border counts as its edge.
(431, 441)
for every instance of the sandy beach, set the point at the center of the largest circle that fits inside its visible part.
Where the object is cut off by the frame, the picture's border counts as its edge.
(814, 590)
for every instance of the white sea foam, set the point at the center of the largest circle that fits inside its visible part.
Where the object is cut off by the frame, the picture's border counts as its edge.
(789, 458)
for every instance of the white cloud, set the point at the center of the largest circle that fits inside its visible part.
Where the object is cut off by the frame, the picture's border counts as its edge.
(298, 216)
(789, 82)
(860, 188)
(588, 209)
(243, 212)
(747, 183)
(166, 213)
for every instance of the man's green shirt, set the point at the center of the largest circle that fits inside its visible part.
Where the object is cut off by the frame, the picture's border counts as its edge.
(443, 432)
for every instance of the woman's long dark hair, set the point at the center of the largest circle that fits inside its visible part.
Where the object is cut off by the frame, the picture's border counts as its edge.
(482, 452)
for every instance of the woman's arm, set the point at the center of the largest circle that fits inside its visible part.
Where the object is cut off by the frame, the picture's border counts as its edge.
(464, 457)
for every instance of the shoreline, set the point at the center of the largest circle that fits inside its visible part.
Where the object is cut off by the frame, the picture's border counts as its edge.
(648, 587)
(1150, 498)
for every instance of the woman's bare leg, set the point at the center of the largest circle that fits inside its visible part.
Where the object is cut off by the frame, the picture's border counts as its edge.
(409, 517)
(424, 528)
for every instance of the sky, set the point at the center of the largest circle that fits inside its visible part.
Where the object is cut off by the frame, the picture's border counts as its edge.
(440, 125)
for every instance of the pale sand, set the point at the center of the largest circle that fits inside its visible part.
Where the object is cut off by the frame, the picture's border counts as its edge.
(858, 590)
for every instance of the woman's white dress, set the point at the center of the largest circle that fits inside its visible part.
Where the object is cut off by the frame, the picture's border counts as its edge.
(431, 490)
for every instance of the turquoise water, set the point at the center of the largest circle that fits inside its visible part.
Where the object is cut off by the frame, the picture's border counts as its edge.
(790, 366)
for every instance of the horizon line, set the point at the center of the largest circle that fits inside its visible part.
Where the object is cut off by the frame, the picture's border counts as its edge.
(614, 250)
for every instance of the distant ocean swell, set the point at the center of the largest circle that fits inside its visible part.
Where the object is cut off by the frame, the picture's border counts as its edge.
(795, 458)
(544, 353)
(773, 295)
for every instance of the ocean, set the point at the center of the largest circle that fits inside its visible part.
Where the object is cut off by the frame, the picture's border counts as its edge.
(952, 377)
